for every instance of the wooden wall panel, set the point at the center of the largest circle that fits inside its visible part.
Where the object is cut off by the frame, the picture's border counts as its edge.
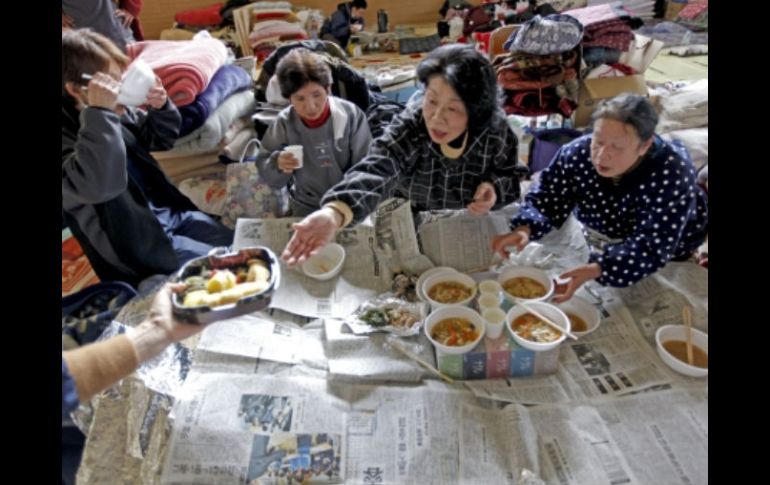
(159, 14)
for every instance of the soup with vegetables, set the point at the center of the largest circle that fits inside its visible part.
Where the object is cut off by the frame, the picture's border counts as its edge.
(454, 332)
(449, 292)
(533, 329)
(523, 287)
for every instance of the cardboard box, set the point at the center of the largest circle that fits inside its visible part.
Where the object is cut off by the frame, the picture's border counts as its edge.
(594, 90)
(673, 7)
(501, 357)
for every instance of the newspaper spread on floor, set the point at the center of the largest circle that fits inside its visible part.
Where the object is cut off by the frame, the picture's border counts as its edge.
(273, 395)
(234, 429)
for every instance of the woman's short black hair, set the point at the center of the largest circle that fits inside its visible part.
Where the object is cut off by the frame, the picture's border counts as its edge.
(470, 74)
(632, 109)
(299, 67)
(358, 4)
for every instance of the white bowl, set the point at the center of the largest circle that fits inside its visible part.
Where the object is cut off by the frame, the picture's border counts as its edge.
(326, 263)
(677, 332)
(585, 310)
(524, 271)
(427, 274)
(548, 310)
(454, 311)
(449, 277)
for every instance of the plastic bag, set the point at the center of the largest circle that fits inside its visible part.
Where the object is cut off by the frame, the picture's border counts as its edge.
(386, 313)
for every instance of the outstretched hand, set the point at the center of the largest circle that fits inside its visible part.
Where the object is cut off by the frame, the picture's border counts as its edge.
(310, 234)
(577, 277)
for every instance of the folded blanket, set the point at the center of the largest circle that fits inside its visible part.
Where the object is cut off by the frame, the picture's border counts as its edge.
(208, 136)
(234, 150)
(201, 17)
(227, 81)
(236, 127)
(184, 67)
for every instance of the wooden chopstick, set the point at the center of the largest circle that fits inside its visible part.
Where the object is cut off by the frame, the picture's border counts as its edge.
(547, 320)
(397, 345)
(688, 332)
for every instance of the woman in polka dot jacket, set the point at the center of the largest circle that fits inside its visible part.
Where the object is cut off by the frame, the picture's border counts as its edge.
(636, 195)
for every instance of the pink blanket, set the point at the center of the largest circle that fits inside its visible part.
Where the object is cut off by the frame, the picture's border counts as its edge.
(185, 67)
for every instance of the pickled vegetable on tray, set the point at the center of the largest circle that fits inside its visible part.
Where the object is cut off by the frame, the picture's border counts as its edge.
(222, 286)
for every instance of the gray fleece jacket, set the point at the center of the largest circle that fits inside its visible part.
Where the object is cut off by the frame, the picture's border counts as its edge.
(329, 151)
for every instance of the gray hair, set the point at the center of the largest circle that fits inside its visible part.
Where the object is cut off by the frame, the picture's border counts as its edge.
(631, 109)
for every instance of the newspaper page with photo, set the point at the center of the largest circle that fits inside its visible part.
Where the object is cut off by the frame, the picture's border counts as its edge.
(612, 360)
(232, 429)
(616, 360)
(236, 429)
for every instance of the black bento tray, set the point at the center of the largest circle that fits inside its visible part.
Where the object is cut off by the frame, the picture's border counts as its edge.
(221, 259)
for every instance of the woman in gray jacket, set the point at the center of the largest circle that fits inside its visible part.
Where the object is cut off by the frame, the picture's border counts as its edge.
(332, 132)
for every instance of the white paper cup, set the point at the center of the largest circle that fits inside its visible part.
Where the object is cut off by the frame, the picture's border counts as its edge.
(490, 286)
(298, 153)
(488, 301)
(494, 319)
(137, 81)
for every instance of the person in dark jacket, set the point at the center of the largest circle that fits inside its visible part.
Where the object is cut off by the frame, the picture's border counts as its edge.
(348, 19)
(130, 220)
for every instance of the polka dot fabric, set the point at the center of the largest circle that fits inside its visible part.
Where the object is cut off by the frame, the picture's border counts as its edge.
(657, 210)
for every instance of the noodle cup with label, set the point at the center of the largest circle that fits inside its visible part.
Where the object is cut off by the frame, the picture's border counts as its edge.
(449, 289)
(529, 331)
(672, 348)
(454, 329)
(525, 283)
(583, 316)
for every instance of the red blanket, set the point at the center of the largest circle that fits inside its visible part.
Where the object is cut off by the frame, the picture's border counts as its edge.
(184, 67)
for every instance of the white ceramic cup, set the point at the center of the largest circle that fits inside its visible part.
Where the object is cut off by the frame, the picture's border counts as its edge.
(298, 153)
(494, 319)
